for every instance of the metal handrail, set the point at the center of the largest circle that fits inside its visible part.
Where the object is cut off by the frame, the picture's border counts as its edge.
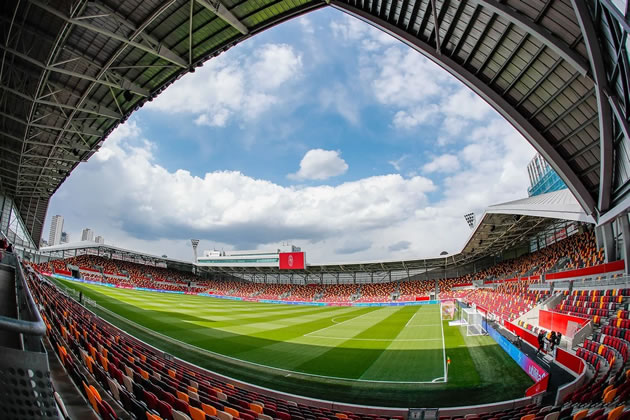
(33, 327)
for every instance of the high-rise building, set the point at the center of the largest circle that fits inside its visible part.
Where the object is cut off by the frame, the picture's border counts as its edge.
(65, 238)
(56, 227)
(542, 178)
(87, 235)
(99, 240)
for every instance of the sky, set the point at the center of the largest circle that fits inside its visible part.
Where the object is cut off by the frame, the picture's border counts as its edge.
(323, 132)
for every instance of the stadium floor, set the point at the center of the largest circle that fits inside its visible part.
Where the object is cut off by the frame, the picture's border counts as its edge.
(324, 352)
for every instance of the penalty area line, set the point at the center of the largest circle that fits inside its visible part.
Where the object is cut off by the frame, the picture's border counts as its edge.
(374, 339)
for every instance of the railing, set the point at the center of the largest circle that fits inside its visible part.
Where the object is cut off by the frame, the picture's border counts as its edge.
(29, 323)
(622, 282)
(24, 363)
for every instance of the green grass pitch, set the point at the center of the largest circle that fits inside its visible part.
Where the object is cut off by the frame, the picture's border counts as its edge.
(390, 356)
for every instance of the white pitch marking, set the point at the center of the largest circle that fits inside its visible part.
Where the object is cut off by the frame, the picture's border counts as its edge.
(443, 348)
(411, 319)
(334, 325)
(374, 339)
(421, 325)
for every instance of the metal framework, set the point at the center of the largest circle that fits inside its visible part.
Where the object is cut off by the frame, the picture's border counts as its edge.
(72, 70)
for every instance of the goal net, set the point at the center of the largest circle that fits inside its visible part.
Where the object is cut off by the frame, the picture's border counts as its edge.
(473, 321)
(448, 310)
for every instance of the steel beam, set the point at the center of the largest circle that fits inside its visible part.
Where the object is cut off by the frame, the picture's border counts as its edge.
(216, 7)
(84, 97)
(158, 50)
(93, 108)
(598, 69)
(436, 25)
(123, 85)
(496, 100)
(40, 143)
(526, 24)
(87, 131)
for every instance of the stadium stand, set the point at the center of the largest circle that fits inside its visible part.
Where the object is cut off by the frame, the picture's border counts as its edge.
(577, 251)
(509, 300)
(147, 385)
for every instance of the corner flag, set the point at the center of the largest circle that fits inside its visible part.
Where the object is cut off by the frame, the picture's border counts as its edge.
(448, 360)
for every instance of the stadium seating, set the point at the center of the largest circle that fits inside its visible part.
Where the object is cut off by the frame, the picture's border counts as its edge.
(149, 386)
(507, 301)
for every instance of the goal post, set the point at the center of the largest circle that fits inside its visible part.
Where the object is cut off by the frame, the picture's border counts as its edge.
(473, 320)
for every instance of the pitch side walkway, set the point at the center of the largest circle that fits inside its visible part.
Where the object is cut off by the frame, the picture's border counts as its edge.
(557, 375)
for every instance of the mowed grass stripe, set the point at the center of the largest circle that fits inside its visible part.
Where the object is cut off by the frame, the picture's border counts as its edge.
(465, 386)
(286, 329)
(169, 320)
(407, 360)
(150, 300)
(294, 347)
(213, 309)
(352, 358)
(248, 347)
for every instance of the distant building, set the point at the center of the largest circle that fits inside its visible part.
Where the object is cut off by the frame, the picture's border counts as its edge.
(42, 242)
(87, 235)
(253, 258)
(56, 228)
(65, 238)
(542, 178)
(99, 240)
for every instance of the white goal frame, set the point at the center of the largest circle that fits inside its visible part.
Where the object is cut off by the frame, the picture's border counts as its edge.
(473, 320)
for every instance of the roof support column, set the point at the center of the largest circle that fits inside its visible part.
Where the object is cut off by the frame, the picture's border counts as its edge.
(607, 237)
(601, 90)
(625, 235)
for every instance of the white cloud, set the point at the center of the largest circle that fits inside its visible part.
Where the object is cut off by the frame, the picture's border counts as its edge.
(444, 163)
(146, 207)
(306, 24)
(407, 119)
(320, 164)
(351, 29)
(274, 65)
(149, 208)
(338, 98)
(397, 164)
(464, 103)
(234, 87)
(404, 77)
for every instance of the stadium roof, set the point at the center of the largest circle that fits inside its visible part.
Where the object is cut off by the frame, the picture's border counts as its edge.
(555, 205)
(500, 228)
(503, 226)
(72, 70)
(102, 249)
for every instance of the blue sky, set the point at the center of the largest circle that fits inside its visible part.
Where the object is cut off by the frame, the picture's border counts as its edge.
(322, 131)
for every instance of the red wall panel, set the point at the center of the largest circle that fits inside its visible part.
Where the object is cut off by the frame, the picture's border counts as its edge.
(570, 360)
(557, 321)
(589, 271)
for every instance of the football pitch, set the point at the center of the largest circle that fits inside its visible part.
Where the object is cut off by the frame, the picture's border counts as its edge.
(325, 352)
